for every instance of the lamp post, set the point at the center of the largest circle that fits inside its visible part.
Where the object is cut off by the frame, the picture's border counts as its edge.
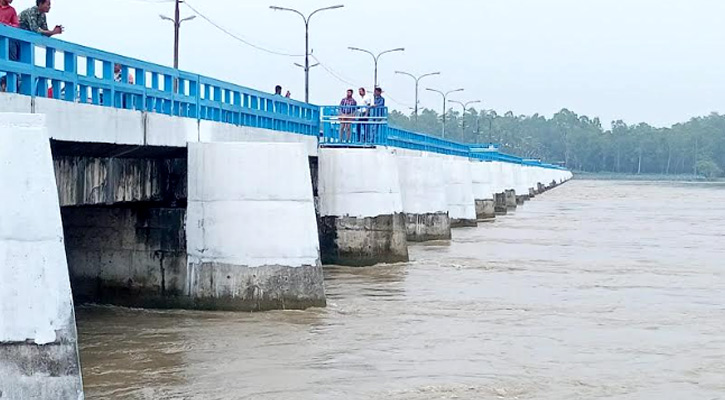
(445, 97)
(376, 58)
(307, 40)
(417, 81)
(465, 108)
(177, 20)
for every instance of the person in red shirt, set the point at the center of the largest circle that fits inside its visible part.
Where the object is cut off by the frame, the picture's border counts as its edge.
(8, 16)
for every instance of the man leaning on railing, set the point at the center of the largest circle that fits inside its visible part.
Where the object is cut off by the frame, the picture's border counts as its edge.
(33, 19)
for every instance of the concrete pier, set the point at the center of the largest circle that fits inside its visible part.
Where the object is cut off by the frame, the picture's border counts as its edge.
(521, 184)
(500, 204)
(423, 191)
(483, 190)
(459, 192)
(250, 228)
(361, 212)
(38, 341)
(508, 180)
(511, 199)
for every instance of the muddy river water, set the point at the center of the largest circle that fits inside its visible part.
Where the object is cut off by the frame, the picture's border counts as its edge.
(593, 290)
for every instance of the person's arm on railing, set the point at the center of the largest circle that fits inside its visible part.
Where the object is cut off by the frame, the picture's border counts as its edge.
(33, 19)
(55, 31)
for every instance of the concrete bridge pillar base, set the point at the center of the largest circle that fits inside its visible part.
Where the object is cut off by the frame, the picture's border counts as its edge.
(511, 200)
(485, 209)
(38, 345)
(251, 228)
(363, 241)
(361, 213)
(500, 205)
(429, 226)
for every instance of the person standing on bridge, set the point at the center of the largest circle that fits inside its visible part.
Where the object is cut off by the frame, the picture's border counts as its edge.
(377, 112)
(347, 113)
(9, 17)
(33, 19)
(365, 102)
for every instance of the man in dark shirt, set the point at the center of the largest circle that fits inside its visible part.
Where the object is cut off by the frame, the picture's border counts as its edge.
(347, 113)
(33, 19)
(377, 111)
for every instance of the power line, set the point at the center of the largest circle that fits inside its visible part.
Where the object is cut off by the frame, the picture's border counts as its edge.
(337, 76)
(248, 43)
(333, 73)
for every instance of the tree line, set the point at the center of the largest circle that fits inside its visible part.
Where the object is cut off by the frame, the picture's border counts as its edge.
(695, 147)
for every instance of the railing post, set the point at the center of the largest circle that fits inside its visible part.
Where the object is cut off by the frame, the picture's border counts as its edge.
(70, 65)
(141, 81)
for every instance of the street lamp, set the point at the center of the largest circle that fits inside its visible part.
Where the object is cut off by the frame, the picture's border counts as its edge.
(177, 20)
(445, 97)
(465, 108)
(376, 58)
(307, 40)
(417, 80)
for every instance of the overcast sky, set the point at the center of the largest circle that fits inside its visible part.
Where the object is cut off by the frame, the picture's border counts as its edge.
(659, 61)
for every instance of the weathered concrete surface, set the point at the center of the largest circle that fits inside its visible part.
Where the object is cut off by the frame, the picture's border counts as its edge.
(38, 348)
(500, 206)
(423, 189)
(108, 180)
(361, 213)
(231, 287)
(76, 122)
(485, 209)
(363, 241)
(131, 255)
(429, 226)
(251, 241)
(511, 202)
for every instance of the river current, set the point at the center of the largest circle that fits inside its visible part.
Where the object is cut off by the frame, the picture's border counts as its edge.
(596, 289)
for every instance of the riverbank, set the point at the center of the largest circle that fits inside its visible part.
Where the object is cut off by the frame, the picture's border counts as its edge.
(609, 176)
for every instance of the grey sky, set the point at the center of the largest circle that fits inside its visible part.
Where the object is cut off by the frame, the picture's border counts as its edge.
(658, 61)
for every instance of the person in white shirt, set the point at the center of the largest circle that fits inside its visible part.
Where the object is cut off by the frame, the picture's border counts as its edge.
(364, 102)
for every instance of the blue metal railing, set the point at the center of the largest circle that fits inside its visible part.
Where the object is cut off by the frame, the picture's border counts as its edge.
(85, 75)
(354, 126)
(75, 73)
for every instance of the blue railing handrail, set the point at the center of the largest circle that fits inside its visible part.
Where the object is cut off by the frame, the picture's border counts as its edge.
(196, 96)
(160, 89)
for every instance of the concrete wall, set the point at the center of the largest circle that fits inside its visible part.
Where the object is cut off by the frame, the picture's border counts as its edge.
(15, 103)
(38, 349)
(251, 227)
(88, 123)
(359, 182)
(78, 122)
(211, 132)
(130, 255)
(104, 180)
(361, 209)
(482, 174)
(423, 192)
(459, 191)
